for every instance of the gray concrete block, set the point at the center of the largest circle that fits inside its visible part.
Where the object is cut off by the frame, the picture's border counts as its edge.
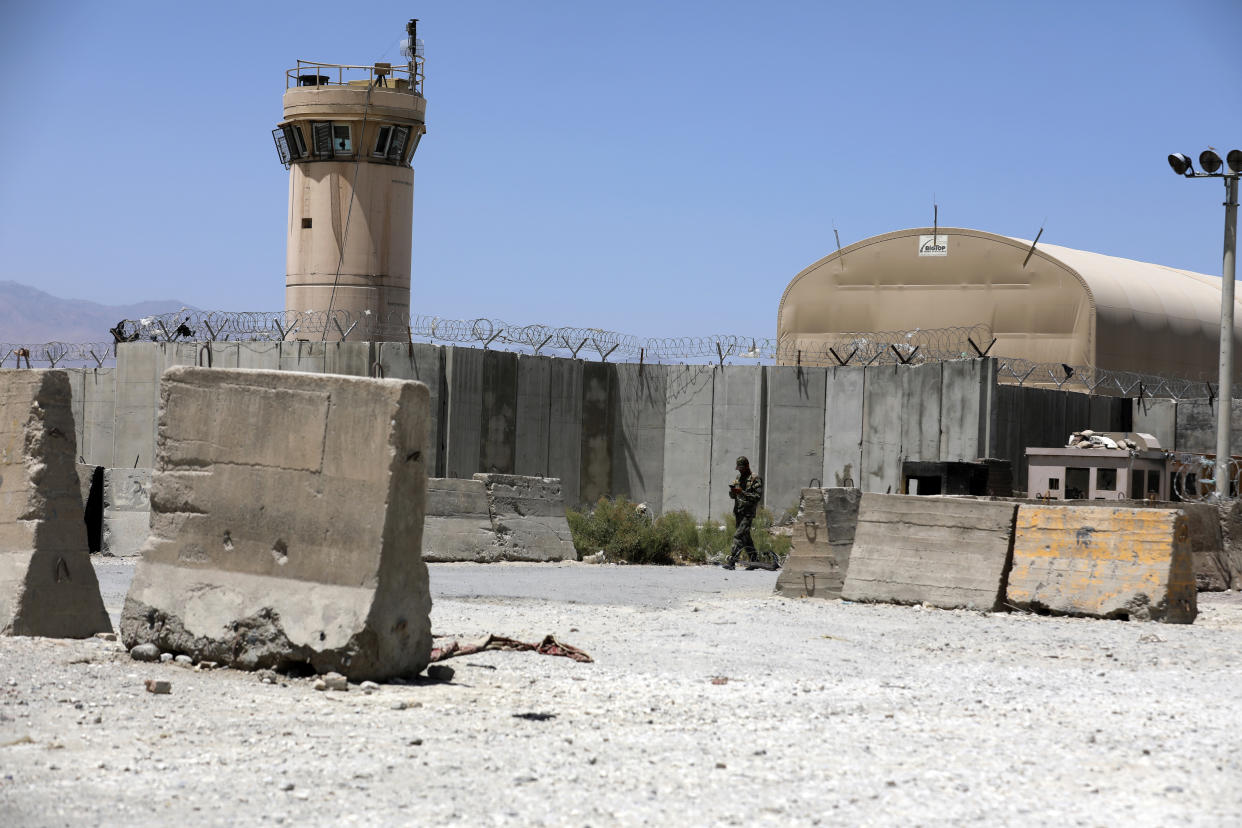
(458, 522)
(286, 523)
(498, 412)
(425, 363)
(77, 406)
(823, 537)
(565, 427)
(843, 426)
(598, 412)
(532, 423)
(881, 436)
(98, 414)
(794, 457)
(921, 387)
(1196, 426)
(736, 428)
(967, 409)
(221, 354)
(126, 511)
(47, 584)
(306, 357)
(638, 434)
(687, 477)
(528, 514)
(942, 551)
(138, 367)
(1157, 418)
(353, 359)
(259, 356)
(463, 374)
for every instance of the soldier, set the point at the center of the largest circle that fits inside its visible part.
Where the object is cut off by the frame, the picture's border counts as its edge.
(746, 491)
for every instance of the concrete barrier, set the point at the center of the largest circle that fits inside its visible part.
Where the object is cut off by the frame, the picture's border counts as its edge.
(47, 584)
(1103, 562)
(822, 539)
(942, 551)
(528, 514)
(126, 511)
(458, 523)
(286, 519)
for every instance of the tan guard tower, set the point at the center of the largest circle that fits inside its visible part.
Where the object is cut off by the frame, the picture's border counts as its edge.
(347, 138)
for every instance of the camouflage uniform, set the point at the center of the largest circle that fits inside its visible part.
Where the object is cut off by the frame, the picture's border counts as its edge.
(746, 491)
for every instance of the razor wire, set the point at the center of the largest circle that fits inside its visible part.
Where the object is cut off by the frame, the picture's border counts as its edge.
(834, 350)
(1193, 476)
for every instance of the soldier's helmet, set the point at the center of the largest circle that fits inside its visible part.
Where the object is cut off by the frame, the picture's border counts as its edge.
(743, 463)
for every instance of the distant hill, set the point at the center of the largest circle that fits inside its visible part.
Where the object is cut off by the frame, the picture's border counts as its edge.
(30, 316)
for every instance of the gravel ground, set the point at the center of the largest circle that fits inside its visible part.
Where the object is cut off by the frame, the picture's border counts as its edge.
(820, 712)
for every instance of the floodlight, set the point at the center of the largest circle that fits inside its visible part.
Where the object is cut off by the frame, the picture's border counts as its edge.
(1210, 161)
(1181, 164)
(1234, 160)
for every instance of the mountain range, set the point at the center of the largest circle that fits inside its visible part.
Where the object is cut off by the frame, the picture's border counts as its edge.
(30, 316)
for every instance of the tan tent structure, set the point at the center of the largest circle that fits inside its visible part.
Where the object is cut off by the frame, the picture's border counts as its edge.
(1060, 306)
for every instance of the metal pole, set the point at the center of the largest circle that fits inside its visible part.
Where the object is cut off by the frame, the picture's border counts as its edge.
(1225, 397)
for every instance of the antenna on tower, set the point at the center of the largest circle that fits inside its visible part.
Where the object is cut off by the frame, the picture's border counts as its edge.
(840, 258)
(411, 46)
(935, 220)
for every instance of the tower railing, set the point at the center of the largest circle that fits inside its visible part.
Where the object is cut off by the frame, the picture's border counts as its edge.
(398, 76)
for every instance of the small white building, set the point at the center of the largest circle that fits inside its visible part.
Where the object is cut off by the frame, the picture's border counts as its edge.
(1070, 473)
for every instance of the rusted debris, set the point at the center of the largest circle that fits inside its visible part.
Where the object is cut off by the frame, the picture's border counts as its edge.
(548, 646)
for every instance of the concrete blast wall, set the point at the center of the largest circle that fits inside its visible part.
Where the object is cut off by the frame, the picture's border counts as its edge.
(666, 435)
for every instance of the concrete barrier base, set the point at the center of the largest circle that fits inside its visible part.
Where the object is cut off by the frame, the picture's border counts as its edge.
(1104, 562)
(946, 552)
(822, 538)
(126, 511)
(47, 584)
(496, 517)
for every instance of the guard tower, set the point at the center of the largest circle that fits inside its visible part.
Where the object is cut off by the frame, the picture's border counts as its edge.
(348, 138)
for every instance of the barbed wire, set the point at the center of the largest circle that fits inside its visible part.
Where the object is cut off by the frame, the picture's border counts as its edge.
(840, 349)
(1193, 476)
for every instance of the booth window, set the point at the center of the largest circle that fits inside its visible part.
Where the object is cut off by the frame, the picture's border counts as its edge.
(1106, 480)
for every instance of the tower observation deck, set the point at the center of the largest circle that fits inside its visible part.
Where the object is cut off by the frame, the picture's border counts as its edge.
(348, 138)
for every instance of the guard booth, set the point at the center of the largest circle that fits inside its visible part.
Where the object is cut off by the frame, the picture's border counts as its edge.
(1067, 473)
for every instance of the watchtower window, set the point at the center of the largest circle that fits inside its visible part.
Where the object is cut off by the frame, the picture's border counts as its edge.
(342, 140)
(297, 146)
(382, 140)
(321, 139)
(396, 149)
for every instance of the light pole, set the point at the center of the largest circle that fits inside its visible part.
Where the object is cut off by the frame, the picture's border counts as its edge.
(1211, 164)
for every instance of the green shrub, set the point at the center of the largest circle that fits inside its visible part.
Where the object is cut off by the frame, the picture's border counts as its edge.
(625, 534)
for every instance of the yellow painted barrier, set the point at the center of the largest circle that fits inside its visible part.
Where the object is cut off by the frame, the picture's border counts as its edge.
(1104, 562)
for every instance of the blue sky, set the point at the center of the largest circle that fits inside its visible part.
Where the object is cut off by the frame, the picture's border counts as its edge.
(660, 169)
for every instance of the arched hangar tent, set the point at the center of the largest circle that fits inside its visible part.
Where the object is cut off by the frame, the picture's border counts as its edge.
(1060, 306)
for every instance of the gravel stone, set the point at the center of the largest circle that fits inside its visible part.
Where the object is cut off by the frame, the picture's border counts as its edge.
(145, 652)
